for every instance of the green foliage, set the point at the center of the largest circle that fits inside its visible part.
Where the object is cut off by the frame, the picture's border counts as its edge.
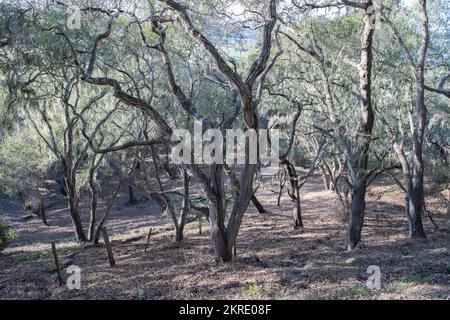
(398, 287)
(200, 201)
(36, 68)
(254, 290)
(22, 258)
(24, 162)
(262, 290)
(6, 234)
(406, 283)
(358, 290)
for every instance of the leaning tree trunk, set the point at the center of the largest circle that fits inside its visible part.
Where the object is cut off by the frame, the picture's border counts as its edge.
(164, 201)
(70, 182)
(103, 220)
(297, 210)
(75, 216)
(326, 180)
(170, 212)
(414, 198)
(235, 183)
(415, 201)
(294, 194)
(258, 205)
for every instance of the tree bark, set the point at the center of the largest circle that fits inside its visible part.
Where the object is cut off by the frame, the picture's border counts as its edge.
(185, 206)
(73, 201)
(41, 211)
(112, 261)
(76, 220)
(216, 200)
(297, 211)
(258, 205)
(148, 239)
(415, 199)
(294, 194)
(103, 220)
(222, 249)
(358, 176)
(325, 179)
(166, 203)
(57, 264)
(94, 201)
(416, 193)
(356, 220)
(131, 197)
(74, 211)
(414, 209)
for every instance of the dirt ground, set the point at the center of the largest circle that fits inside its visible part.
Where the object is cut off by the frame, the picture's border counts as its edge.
(273, 261)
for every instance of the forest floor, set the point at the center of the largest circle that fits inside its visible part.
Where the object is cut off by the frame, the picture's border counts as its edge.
(273, 261)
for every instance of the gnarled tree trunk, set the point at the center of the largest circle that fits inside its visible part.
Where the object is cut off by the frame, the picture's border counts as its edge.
(73, 204)
(414, 209)
(413, 172)
(294, 194)
(216, 200)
